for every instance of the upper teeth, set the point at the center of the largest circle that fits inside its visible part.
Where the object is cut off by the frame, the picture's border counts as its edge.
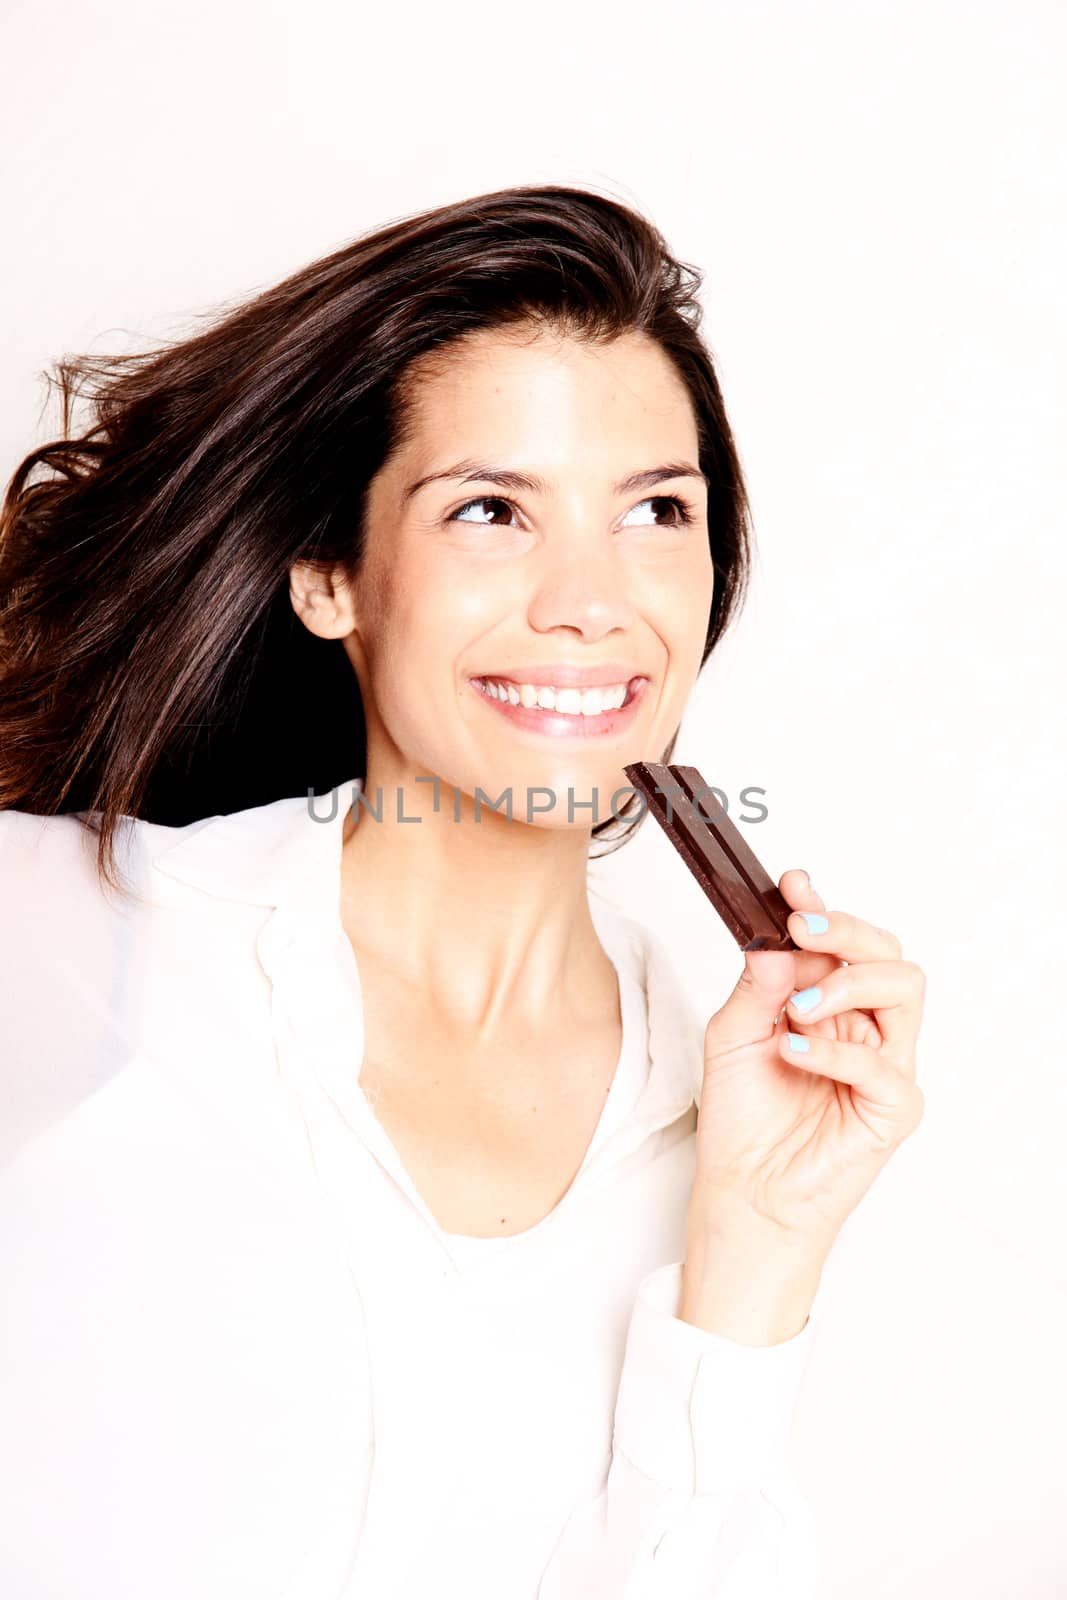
(571, 702)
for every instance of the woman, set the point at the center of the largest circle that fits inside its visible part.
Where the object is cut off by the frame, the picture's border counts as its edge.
(378, 1218)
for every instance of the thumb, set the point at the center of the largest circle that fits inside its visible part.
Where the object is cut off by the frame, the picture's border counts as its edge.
(752, 1008)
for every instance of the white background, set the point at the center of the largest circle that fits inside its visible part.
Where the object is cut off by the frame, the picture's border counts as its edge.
(876, 197)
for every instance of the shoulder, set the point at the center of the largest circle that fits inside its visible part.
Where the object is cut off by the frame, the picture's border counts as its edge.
(51, 861)
(616, 927)
(42, 855)
(108, 988)
(251, 855)
(675, 1022)
(649, 955)
(64, 927)
(629, 932)
(27, 838)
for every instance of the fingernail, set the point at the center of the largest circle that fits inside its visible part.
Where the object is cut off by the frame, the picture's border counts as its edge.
(798, 1041)
(806, 999)
(816, 922)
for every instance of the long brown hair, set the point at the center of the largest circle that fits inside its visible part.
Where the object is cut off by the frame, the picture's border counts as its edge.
(151, 663)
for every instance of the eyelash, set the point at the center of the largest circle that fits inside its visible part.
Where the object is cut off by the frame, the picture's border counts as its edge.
(684, 509)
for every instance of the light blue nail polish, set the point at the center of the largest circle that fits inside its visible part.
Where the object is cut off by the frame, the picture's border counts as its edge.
(806, 999)
(799, 1042)
(816, 922)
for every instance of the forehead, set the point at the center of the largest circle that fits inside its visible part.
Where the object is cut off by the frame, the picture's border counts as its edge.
(499, 384)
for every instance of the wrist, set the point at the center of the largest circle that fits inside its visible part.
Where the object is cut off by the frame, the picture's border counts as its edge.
(747, 1307)
(746, 1278)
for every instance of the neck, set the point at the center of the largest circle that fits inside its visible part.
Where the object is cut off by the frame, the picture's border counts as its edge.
(487, 918)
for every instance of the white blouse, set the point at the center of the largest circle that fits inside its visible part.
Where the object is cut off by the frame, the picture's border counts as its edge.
(238, 1356)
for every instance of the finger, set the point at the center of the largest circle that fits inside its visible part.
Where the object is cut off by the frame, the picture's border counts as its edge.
(887, 1092)
(853, 1027)
(752, 1007)
(798, 890)
(839, 934)
(893, 991)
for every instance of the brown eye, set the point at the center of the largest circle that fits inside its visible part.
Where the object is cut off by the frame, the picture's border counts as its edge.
(682, 514)
(483, 500)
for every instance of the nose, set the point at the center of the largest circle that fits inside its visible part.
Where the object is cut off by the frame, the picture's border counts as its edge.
(581, 588)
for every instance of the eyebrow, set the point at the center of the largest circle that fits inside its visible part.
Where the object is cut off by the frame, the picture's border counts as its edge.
(504, 478)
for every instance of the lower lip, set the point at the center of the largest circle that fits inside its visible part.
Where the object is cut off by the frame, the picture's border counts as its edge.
(562, 725)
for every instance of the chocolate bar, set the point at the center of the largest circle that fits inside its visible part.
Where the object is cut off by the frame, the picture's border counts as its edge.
(726, 868)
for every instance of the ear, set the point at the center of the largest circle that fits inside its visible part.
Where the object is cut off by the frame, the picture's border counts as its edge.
(321, 599)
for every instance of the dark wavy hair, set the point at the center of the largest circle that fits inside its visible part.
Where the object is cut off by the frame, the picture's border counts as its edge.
(151, 662)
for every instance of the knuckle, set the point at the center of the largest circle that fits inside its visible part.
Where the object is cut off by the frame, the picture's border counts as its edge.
(916, 976)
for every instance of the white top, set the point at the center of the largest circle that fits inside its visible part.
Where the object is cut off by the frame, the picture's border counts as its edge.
(239, 1359)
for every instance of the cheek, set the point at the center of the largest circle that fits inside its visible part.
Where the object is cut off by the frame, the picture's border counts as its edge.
(419, 637)
(436, 621)
(678, 606)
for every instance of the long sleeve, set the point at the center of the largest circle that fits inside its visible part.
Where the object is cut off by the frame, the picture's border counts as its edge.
(699, 1503)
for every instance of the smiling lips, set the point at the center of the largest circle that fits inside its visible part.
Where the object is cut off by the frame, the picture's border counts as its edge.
(565, 708)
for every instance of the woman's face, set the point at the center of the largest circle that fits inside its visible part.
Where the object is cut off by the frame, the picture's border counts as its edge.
(476, 593)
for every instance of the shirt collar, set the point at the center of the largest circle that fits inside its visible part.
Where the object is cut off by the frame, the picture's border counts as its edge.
(268, 855)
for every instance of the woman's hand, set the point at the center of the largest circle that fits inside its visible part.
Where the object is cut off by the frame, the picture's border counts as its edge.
(789, 1142)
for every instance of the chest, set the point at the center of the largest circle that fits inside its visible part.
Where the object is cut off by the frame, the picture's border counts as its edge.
(492, 1136)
